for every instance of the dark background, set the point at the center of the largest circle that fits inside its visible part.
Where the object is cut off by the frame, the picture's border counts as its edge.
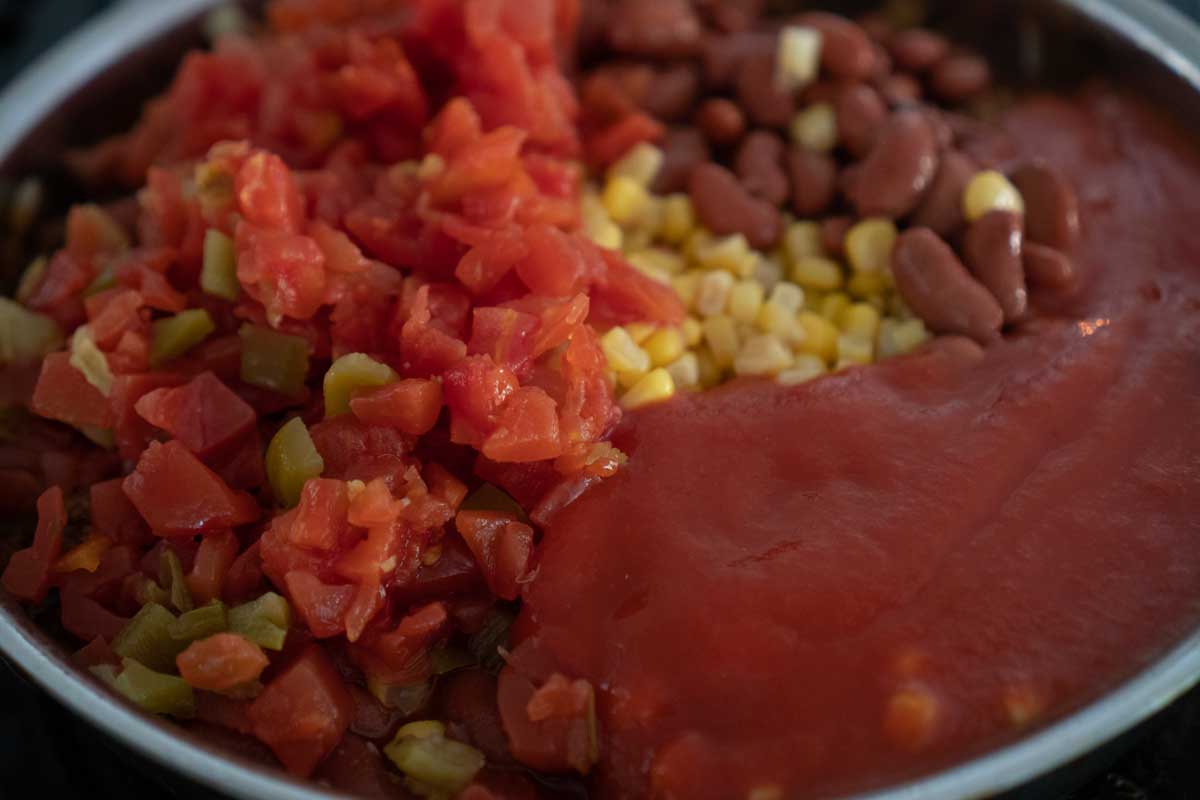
(46, 751)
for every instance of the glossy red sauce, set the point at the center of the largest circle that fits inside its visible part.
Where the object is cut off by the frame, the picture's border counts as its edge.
(865, 577)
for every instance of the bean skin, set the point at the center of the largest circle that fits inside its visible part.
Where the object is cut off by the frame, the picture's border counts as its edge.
(891, 180)
(722, 56)
(846, 50)
(1048, 267)
(938, 288)
(814, 181)
(725, 207)
(672, 92)
(992, 249)
(899, 89)
(918, 50)
(1051, 205)
(860, 113)
(759, 166)
(661, 29)
(960, 77)
(722, 122)
(762, 100)
(941, 208)
(833, 235)
(683, 150)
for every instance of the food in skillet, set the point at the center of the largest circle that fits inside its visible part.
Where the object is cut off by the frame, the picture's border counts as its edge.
(479, 399)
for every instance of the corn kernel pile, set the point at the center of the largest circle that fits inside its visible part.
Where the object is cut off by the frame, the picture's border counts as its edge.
(791, 314)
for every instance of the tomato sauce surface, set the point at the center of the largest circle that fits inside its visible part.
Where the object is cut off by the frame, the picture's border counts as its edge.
(863, 578)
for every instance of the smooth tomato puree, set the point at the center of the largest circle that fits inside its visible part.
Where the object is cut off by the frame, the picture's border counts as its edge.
(859, 579)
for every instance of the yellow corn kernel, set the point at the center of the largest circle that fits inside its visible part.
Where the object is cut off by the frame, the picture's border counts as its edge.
(805, 368)
(866, 285)
(869, 245)
(798, 58)
(641, 331)
(720, 334)
(745, 299)
(597, 225)
(788, 296)
(655, 386)
(658, 258)
(730, 253)
(990, 191)
(815, 128)
(623, 352)
(678, 218)
(712, 294)
(817, 272)
(624, 199)
(641, 164)
(833, 305)
(802, 239)
(779, 321)
(692, 332)
(860, 319)
(820, 336)
(350, 374)
(664, 346)
(898, 337)
(710, 372)
(763, 355)
(696, 241)
(628, 379)
(769, 272)
(853, 349)
(685, 371)
(686, 286)
(636, 238)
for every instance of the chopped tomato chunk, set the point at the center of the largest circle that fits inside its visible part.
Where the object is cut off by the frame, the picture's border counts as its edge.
(27, 575)
(176, 494)
(221, 662)
(203, 414)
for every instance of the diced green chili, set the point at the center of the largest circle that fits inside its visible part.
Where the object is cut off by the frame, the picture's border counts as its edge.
(491, 498)
(104, 280)
(448, 658)
(264, 621)
(407, 699)
(170, 577)
(31, 279)
(292, 459)
(200, 623)
(148, 591)
(147, 638)
(171, 337)
(155, 691)
(26, 336)
(99, 436)
(434, 765)
(273, 360)
(88, 359)
(218, 276)
(352, 373)
(485, 643)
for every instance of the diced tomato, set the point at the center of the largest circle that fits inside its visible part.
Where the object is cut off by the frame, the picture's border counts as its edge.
(115, 516)
(353, 449)
(475, 388)
(214, 557)
(426, 348)
(455, 573)
(400, 656)
(266, 194)
(553, 265)
(132, 432)
(502, 546)
(284, 271)
(322, 606)
(614, 141)
(626, 295)
(64, 394)
(359, 768)
(95, 653)
(244, 577)
(303, 713)
(115, 565)
(113, 313)
(484, 265)
(27, 575)
(176, 494)
(320, 522)
(203, 414)
(57, 294)
(85, 618)
(526, 428)
(488, 161)
(505, 334)
(553, 743)
(411, 405)
(227, 712)
(221, 662)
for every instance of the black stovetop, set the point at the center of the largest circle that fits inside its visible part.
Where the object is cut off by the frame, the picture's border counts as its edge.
(46, 750)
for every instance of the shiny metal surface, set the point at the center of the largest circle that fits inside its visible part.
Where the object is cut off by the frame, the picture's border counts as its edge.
(1141, 41)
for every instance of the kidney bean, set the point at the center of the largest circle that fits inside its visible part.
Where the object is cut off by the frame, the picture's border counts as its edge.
(876, 25)
(683, 150)
(722, 56)
(957, 348)
(960, 77)
(899, 89)
(759, 166)
(941, 207)
(860, 112)
(833, 235)
(900, 167)
(661, 29)
(814, 181)
(672, 92)
(762, 99)
(846, 50)
(822, 92)
(722, 122)
(725, 207)
(992, 249)
(608, 94)
(884, 65)
(917, 49)
(938, 288)
(1051, 205)
(1048, 267)
(734, 15)
(593, 25)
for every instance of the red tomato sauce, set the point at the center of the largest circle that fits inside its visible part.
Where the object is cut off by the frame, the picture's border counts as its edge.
(871, 575)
